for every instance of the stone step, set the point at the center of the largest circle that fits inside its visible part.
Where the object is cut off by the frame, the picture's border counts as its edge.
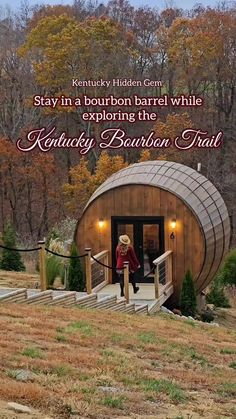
(65, 300)
(44, 297)
(120, 306)
(142, 309)
(16, 296)
(154, 307)
(129, 308)
(106, 302)
(87, 300)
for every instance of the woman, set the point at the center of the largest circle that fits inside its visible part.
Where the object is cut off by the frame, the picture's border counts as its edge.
(126, 253)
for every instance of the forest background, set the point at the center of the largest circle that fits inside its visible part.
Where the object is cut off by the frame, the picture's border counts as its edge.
(44, 47)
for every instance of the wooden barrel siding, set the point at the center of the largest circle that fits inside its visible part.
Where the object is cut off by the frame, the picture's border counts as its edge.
(171, 190)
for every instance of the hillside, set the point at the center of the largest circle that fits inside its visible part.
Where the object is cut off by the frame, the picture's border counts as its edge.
(87, 364)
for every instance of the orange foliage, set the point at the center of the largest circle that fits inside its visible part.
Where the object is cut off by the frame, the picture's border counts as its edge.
(84, 183)
(46, 11)
(145, 155)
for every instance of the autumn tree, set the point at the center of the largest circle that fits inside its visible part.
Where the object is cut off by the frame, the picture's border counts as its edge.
(145, 155)
(28, 189)
(77, 193)
(90, 49)
(41, 12)
(172, 127)
(84, 183)
(106, 166)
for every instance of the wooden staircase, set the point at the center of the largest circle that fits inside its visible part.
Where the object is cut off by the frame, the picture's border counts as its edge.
(69, 299)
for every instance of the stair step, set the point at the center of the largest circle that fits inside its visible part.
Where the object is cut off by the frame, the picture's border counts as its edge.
(16, 296)
(87, 297)
(154, 307)
(87, 300)
(142, 309)
(129, 308)
(43, 297)
(120, 305)
(106, 302)
(65, 300)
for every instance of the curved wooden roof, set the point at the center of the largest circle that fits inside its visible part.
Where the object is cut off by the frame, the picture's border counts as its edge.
(196, 191)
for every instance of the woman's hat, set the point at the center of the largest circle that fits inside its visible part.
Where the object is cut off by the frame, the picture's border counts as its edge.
(124, 239)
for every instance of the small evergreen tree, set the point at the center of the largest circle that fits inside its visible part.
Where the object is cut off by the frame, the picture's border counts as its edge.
(228, 270)
(75, 280)
(188, 301)
(216, 295)
(11, 259)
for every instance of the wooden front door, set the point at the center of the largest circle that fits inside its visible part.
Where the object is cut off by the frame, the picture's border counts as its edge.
(147, 238)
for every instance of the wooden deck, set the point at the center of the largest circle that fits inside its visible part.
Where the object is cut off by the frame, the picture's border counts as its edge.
(145, 295)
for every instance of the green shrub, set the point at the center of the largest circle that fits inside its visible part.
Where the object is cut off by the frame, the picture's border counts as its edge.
(216, 295)
(11, 259)
(207, 316)
(54, 268)
(75, 281)
(228, 270)
(188, 302)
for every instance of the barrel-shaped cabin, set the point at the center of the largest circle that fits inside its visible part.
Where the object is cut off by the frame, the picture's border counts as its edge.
(161, 206)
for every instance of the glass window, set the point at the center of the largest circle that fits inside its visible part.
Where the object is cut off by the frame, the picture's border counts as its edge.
(126, 229)
(151, 245)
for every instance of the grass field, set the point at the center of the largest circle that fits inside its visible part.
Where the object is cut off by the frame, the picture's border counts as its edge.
(93, 364)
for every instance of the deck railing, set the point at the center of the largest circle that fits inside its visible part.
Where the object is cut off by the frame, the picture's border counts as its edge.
(99, 273)
(163, 273)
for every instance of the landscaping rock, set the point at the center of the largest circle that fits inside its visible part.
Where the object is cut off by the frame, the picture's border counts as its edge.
(177, 311)
(19, 408)
(210, 307)
(24, 375)
(165, 310)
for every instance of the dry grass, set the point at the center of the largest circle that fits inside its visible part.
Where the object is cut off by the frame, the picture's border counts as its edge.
(155, 367)
(18, 279)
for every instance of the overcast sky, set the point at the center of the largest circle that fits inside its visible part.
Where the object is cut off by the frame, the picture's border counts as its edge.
(184, 4)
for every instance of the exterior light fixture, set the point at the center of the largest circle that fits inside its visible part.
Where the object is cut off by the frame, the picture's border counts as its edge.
(101, 223)
(173, 226)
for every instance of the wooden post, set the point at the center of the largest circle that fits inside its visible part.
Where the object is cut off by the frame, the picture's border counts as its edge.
(170, 269)
(126, 281)
(42, 266)
(156, 281)
(88, 271)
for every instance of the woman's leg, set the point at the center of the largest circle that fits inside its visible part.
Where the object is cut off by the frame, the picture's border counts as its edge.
(121, 279)
(132, 281)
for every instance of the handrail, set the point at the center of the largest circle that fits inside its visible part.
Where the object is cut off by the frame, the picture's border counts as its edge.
(94, 261)
(161, 258)
(99, 256)
(163, 272)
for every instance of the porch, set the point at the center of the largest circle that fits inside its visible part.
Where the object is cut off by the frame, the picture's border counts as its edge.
(150, 295)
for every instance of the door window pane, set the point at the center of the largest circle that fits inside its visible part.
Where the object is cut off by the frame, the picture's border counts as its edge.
(151, 245)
